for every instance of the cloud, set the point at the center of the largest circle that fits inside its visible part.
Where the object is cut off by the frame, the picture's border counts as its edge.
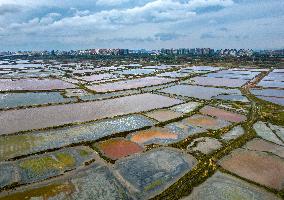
(9, 8)
(111, 2)
(28, 3)
(168, 36)
(137, 39)
(155, 23)
(195, 4)
(224, 29)
(157, 11)
(239, 37)
(154, 11)
(209, 35)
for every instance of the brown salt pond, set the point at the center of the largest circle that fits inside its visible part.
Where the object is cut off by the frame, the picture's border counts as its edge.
(260, 167)
(222, 186)
(43, 117)
(223, 114)
(163, 115)
(130, 84)
(258, 144)
(153, 135)
(33, 84)
(118, 148)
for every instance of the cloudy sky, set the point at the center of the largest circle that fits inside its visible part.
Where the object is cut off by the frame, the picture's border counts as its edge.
(150, 24)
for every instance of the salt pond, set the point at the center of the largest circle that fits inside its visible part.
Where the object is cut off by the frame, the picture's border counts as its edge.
(222, 185)
(11, 100)
(118, 148)
(199, 92)
(130, 84)
(50, 116)
(33, 84)
(225, 82)
(137, 71)
(152, 171)
(32, 142)
(40, 167)
(271, 84)
(98, 77)
(95, 182)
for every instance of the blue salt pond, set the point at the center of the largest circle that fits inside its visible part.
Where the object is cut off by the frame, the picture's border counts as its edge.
(221, 74)
(268, 92)
(20, 65)
(271, 84)
(137, 71)
(278, 70)
(12, 100)
(202, 68)
(274, 76)
(182, 130)
(151, 172)
(161, 67)
(174, 74)
(234, 133)
(198, 91)
(272, 95)
(273, 79)
(232, 97)
(8, 175)
(276, 100)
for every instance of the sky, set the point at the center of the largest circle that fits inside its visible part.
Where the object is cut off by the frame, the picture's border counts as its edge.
(137, 24)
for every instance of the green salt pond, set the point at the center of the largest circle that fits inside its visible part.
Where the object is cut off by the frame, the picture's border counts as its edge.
(44, 166)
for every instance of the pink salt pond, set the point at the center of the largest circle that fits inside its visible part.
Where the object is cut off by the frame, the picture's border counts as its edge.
(98, 77)
(154, 135)
(223, 114)
(130, 84)
(51, 116)
(119, 148)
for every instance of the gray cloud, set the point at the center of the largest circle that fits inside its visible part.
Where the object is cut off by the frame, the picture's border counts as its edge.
(168, 36)
(9, 8)
(224, 29)
(209, 35)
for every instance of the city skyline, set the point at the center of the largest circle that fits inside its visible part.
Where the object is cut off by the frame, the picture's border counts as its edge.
(148, 24)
